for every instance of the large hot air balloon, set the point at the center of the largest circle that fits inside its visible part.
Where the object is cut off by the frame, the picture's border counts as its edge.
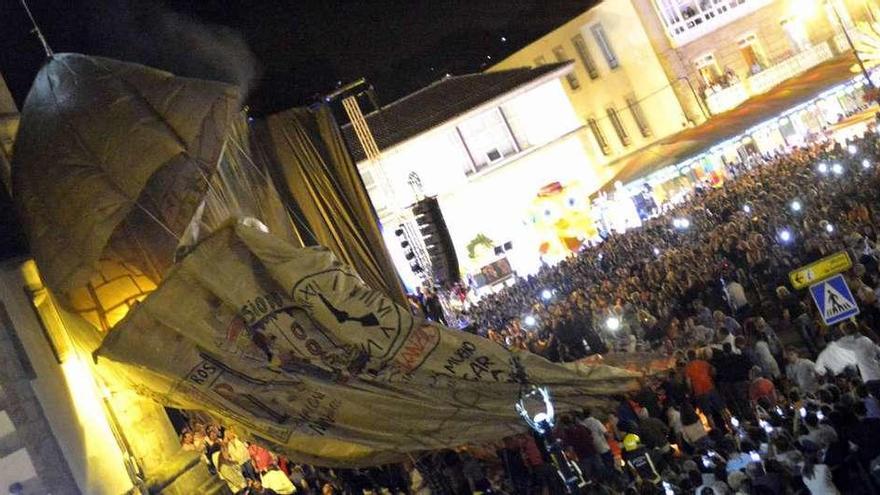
(111, 163)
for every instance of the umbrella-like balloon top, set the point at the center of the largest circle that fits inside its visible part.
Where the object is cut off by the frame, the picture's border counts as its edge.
(110, 165)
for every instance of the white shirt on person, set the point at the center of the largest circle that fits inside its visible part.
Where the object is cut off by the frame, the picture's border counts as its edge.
(736, 295)
(835, 359)
(866, 355)
(803, 373)
(238, 451)
(598, 431)
(277, 481)
(820, 483)
(765, 359)
(673, 417)
(693, 433)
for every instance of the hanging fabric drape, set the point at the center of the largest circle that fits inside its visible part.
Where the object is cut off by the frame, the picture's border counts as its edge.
(242, 187)
(290, 346)
(316, 168)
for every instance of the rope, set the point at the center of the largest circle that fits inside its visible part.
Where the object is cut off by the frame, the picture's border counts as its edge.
(160, 222)
(37, 30)
(299, 219)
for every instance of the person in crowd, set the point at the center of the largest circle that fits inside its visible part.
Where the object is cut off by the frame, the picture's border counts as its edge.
(764, 357)
(818, 434)
(638, 460)
(578, 439)
(229, 470)
(801, 372)
(275, 480)
(255, 487)
(261, 459)
(817, 475)
(693, 432)
(761, 388)
(187, 442)
(700, 375)
(865, 352)
(599, 434)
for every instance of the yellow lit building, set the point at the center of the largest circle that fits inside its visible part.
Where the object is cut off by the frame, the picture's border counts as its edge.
(734, 50)
(618, 88)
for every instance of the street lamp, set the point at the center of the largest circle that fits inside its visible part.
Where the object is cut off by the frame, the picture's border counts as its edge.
(530, 321)
(837, 169)
(796, 206)
(852, 149)
(546, 294)
(866, 164)
(823, 168)
(536, 408)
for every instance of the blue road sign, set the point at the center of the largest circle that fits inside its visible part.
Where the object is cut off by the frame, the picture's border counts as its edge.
(834, 300)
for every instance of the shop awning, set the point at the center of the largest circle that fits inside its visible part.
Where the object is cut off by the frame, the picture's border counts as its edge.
(691, 142)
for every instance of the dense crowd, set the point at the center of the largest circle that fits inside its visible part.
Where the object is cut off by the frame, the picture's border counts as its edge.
(664, 285)
(762, 400)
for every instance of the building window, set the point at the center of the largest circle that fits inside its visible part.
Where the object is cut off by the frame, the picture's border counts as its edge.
(601, 140)
(638, 115)
(614, 117)
(540, 60)
(753, 54)
(580, 46)
(708, 69)
(487, 138)
(605, 46)
(687, 20)
(571, 77)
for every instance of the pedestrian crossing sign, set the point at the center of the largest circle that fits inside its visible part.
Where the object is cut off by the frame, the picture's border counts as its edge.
(834, 300)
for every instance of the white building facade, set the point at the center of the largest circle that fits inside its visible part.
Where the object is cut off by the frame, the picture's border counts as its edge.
(485, 164)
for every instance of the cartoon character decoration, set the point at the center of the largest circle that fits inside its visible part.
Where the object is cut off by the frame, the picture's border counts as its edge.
(560, 216)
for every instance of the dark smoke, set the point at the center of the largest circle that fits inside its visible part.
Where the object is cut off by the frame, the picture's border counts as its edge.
(145, 32)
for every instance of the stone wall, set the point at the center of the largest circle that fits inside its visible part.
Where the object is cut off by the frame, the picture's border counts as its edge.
(29, 453)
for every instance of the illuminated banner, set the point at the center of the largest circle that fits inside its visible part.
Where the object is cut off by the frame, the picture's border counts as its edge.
(289, 344)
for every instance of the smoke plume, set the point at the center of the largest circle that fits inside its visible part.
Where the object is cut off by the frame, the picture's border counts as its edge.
(145, 32)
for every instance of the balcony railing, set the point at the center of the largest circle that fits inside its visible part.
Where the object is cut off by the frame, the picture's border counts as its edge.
(732, 96)
(688, 20)
(790, 67)
(726, 98)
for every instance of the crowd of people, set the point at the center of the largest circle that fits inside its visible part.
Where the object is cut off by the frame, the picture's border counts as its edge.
(763, 398)
(667, 286)
(248, 468)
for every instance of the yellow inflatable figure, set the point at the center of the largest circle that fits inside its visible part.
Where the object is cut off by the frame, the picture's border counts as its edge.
(560, 216)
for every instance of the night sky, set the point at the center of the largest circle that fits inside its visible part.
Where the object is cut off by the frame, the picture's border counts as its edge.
(299, 48)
